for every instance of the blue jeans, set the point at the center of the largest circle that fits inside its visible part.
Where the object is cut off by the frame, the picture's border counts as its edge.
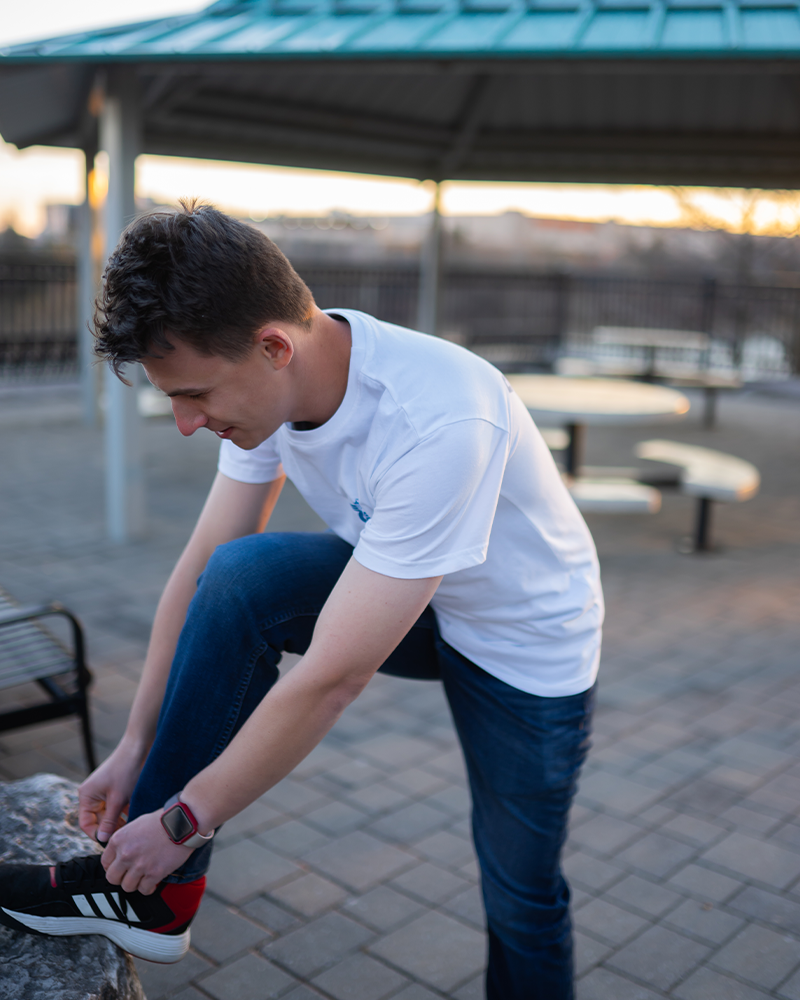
(258, 598)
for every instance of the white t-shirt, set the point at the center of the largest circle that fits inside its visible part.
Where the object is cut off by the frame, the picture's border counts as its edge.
(432, 465)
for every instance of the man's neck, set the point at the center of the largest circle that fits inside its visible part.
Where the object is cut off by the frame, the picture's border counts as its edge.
(324, 363)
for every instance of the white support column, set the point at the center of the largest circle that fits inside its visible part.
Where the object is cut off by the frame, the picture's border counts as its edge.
(430, 271)
(120, 138)
(87, 290)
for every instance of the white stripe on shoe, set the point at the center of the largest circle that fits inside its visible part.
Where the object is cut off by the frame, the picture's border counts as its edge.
(83, 905)
(104, 906)
(149, 945)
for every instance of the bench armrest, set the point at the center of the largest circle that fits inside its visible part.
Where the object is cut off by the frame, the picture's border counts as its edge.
(11, 616)
(30, 612)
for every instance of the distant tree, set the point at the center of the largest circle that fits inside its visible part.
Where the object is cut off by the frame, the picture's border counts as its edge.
(746, 215)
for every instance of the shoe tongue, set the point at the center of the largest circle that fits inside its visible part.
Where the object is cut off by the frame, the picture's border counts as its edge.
(77, 870)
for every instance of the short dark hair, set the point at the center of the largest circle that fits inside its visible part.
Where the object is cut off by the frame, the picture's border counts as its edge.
(198, 275)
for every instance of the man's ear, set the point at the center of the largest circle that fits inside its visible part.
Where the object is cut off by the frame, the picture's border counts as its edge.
(276, 346)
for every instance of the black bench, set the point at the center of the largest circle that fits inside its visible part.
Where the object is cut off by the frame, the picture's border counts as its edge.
(29, 652)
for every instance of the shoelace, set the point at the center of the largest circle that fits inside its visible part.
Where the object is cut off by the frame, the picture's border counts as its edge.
(78, 871)
(86, 875)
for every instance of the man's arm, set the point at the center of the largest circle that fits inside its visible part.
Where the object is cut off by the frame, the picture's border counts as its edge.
(363, 620)
(232, 510)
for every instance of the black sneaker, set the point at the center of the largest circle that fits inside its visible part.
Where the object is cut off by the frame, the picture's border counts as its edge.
(75, 897)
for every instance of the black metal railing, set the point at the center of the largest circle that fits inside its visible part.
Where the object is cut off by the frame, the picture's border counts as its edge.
(519, 319)
(38, 319)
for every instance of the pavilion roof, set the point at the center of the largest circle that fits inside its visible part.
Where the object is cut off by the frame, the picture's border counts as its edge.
(429, 29)
(642, 91)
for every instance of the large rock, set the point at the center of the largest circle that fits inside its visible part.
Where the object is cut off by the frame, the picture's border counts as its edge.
(39, 823)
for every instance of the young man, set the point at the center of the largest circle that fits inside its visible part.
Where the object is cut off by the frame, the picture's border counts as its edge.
(455, 553)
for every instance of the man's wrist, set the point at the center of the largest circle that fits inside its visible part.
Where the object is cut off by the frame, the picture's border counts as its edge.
(134, 746)
(182, 825)
(206, 821)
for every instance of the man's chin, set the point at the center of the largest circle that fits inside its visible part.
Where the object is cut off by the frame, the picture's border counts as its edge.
(247, 442)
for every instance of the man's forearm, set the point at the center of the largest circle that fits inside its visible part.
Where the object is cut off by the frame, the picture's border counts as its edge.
(290, 721)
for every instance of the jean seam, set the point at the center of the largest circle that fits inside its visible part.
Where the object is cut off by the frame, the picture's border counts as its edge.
(286, 616)
(236, 705)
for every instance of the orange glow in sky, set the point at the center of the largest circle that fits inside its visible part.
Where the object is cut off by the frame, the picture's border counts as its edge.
(32, 178)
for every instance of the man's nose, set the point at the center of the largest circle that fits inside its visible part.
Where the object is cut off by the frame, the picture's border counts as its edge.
(187, 417)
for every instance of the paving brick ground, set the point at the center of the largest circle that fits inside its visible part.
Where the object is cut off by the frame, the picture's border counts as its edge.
(354, 879)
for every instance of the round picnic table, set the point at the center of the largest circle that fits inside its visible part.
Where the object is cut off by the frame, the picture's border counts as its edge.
(576, 403)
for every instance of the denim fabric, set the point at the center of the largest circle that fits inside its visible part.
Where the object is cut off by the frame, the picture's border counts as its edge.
(523, 755)
(258, 598)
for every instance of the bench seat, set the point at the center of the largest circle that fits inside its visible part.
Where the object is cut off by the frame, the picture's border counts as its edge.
(706, 474)
(614, 495)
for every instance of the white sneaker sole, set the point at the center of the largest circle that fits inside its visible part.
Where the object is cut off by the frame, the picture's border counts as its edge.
(149, 945)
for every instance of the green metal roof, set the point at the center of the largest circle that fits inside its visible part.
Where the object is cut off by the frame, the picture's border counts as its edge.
(425, 29)
(635, 91)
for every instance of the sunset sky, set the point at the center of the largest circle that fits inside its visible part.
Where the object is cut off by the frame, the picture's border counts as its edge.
(32, 178)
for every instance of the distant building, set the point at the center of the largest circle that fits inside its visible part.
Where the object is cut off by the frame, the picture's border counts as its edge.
(507, 241)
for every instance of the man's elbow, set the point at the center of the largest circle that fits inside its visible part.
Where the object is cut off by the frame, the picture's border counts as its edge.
(345, 690)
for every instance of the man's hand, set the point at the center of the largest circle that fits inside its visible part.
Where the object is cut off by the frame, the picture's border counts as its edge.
(140, 854)
(105, 794)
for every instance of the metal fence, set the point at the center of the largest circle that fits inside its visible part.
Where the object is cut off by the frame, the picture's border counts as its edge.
(524, 319)
(38, 319)
(517, 319)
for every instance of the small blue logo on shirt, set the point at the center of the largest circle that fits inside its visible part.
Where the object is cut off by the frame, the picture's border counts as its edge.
(360, 510)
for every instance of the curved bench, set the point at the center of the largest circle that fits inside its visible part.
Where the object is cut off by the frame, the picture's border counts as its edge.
(706, 474)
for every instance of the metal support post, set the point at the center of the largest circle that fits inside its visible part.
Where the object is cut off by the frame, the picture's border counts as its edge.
(119, 136)
(87, 289)
(430, 272)
(702, 531)
(573, 459)
(710, 406)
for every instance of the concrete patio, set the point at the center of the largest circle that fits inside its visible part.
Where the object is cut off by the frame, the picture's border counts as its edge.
(354, 879)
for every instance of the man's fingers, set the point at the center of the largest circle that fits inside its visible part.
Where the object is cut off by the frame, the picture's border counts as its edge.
(99, 813)
(135, 881)
(130, 876)
(89, 809)
(111, 817)
(107, 860)
(131, 881)
(87, 821)
(140, 855)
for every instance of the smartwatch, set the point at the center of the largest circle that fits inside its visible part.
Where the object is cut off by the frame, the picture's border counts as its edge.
(181, 825)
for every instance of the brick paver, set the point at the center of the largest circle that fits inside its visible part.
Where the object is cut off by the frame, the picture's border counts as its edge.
(354, 879)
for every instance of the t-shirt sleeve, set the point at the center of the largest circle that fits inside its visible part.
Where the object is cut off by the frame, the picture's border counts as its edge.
(435, 505)
(259, 465)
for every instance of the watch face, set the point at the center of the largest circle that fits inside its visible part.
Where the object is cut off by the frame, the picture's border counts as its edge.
(177, 823)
